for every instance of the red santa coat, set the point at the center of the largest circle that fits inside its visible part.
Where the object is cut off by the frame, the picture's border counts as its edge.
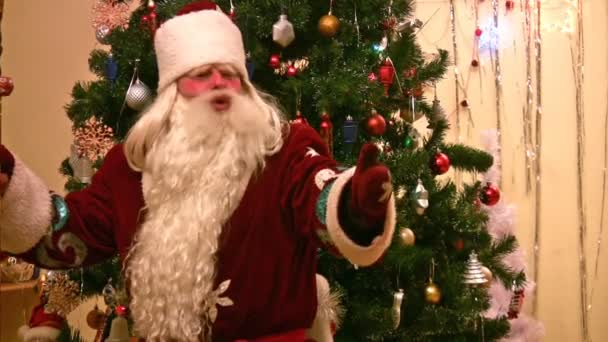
(268, 249)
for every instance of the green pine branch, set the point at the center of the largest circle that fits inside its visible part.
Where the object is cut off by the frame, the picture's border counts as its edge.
(69, 334)
(435, 70)
(437, 136)
(95, 278)
(467, 158)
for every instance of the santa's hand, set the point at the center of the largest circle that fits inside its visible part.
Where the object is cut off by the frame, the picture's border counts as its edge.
(7, 164)
(371, 188)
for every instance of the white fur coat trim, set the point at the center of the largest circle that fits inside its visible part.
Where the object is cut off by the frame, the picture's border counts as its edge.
(321, 326)
(46, 334)
(25, 211)
(358, 255)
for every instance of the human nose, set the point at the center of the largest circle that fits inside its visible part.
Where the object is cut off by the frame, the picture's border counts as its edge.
(218, 80)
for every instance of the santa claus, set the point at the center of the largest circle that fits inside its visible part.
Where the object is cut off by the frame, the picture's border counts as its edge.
(216, 204)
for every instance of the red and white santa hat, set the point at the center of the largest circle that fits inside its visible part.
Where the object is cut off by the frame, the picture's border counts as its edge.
(200, 34)
(43, 326)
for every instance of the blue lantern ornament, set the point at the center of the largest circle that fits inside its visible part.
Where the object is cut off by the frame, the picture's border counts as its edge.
(111, 68)
(250, 66)
(349, 133)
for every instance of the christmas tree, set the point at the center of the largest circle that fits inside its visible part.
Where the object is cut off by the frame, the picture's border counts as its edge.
(353, 70)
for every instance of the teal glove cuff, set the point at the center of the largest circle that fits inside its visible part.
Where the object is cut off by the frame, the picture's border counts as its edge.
(322, 203)
(62, 212)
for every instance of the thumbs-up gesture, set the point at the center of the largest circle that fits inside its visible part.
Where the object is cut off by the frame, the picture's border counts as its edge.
(371, 187)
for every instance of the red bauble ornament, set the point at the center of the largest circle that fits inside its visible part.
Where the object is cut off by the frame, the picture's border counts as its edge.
(389, 23)
(458, 244)
(416, 92)
(6, 85)
(299, 119)
(475, 63)
(510, 5)
(376, 125)
(232, 14)
(372, 77)
(387, 75)
(478, 32)
(490, 195)
(292, 71)
(275, 61)
(411, 73)
(326, 131)
(121, 310)
(440, 163)
(325, 125)
(150, 20)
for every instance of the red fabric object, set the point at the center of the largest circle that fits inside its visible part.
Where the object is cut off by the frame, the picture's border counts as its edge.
(40, 318)
(387, 75)
(290, 336)
(371, 187)
(269, 252)
(326, 130)
(198, 6)
(7, 161)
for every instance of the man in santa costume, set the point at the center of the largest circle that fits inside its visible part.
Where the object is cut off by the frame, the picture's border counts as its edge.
(216, 205)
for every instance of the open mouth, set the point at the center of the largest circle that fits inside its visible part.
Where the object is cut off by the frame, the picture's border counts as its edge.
(221, 102)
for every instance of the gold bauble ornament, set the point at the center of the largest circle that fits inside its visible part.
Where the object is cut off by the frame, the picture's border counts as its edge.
(329, 25)
(488, 274)
(407, 237)
(95, 318)
(432, 293)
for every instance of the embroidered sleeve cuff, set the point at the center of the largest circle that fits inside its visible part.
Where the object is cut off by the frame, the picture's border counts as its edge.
(25, 211)
(357, 254)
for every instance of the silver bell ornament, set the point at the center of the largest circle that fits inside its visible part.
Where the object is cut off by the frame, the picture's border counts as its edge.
(119, 330)
(138, 95)
(101, 33)
(421, 198)
(474, 274)
(282, 31)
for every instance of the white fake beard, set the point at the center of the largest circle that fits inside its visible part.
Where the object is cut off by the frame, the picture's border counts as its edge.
(194, 178)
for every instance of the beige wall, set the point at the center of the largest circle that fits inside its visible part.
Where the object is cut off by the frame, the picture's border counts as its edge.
(15, 309)
(558, 291)
(47, 45)
(46, 48)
